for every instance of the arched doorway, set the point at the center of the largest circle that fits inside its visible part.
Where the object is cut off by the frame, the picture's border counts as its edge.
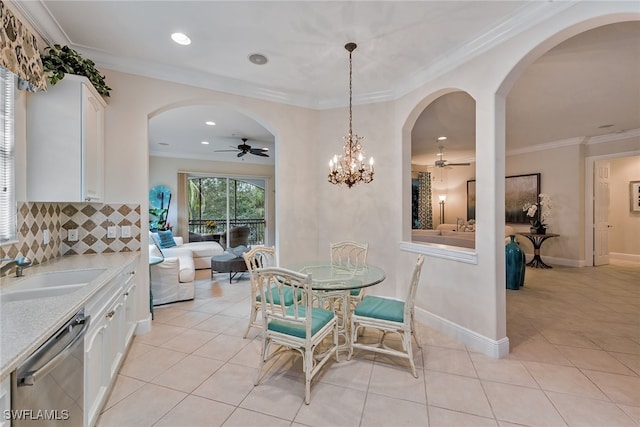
(199, 140)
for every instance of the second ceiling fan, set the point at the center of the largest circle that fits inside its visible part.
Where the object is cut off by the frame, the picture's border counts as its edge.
(441, 162)
(244, 149)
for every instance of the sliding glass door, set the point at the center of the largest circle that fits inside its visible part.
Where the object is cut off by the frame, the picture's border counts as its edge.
(217, 204)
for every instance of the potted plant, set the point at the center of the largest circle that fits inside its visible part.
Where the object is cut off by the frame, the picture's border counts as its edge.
(539, 217)
(60, 60)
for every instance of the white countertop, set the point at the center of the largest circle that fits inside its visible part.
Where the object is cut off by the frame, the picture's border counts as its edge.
(25, 325)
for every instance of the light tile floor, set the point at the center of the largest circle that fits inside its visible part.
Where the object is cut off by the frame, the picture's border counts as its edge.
(575, 360)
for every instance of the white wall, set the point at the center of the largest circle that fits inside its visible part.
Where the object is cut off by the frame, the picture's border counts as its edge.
(560, 178)
(164, 171)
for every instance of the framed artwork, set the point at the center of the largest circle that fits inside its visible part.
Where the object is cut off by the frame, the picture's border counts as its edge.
(634, 190)
(518, 190)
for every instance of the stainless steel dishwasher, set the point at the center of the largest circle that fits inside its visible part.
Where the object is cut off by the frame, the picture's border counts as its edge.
(47, 389)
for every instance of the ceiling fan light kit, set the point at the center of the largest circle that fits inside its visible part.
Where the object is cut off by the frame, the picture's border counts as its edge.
(350, 168)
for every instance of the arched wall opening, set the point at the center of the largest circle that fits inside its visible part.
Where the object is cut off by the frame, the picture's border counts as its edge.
(183, 155)
(443, 165)
(493, 153)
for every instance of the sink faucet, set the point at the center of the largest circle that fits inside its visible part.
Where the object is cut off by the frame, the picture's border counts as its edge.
(20, 263)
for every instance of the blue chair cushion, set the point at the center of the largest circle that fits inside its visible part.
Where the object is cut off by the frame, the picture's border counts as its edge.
(355, 292)
(381, 308)
(166, 239)
(287, 294)
(319, 318)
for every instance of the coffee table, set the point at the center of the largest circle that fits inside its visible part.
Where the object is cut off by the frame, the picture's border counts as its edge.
(228, 263)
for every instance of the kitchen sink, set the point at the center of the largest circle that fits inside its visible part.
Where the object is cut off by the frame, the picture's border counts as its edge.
(49, 284)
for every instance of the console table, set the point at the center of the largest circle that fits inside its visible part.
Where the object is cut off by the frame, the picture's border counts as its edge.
(537, 240)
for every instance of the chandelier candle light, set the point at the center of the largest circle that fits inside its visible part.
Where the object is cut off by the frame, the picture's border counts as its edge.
(350, 167)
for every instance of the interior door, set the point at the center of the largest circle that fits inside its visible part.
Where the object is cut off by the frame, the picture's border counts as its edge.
(601, 214)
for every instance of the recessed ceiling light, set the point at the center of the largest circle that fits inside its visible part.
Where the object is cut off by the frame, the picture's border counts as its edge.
(204, 142)
(181, 38)
(210, 123)
(258, 59)
(162, 143)
(442, 138)
(605, 126)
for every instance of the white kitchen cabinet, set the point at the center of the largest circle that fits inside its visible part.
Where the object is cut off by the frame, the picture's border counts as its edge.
(65, 143)
(107, 339)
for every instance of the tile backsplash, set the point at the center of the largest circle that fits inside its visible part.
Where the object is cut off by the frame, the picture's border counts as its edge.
(90, 219)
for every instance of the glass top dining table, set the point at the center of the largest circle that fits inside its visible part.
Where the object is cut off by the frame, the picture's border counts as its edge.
(328, 277)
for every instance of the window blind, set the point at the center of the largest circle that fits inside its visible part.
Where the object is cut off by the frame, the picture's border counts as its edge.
(7, 173)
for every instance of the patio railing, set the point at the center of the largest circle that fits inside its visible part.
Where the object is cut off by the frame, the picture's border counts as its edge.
(256, 235)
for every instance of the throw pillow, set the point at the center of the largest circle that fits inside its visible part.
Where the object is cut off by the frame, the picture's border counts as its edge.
(166, 239)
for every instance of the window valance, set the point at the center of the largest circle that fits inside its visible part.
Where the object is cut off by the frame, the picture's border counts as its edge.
(19, 53)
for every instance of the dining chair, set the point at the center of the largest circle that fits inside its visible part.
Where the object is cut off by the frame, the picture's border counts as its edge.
(350, 255)
(299, 326)
(388, 315)
(258, 257)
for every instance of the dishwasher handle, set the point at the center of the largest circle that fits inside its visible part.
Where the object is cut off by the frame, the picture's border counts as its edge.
(30, 378)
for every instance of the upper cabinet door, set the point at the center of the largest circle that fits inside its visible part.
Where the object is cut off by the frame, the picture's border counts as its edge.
(93, 145)
(65, 143)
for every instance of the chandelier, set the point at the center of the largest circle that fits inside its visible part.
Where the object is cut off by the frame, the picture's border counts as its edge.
(350, 168)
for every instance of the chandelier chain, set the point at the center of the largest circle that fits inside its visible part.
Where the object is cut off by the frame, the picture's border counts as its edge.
(350, 168)
(350, 94)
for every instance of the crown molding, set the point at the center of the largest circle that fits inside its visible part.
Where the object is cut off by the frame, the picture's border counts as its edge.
(525, 17)
(548, 146)
(600, 139)
(530, 14)
(39, 16)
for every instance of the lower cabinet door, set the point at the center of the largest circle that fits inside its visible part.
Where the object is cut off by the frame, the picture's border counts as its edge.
(95, 381)
(115, 337)
(130, 314)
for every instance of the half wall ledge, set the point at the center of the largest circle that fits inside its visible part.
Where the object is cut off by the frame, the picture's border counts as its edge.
(453, 253)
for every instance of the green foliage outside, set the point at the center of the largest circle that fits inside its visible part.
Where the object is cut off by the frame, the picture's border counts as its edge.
(208, 200)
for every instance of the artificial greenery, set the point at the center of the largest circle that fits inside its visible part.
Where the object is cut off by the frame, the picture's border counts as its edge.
(60, 60)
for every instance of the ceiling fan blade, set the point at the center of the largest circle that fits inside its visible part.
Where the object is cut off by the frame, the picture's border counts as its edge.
(259, 153)
(223, 151)
(242, 153)
(458, 164)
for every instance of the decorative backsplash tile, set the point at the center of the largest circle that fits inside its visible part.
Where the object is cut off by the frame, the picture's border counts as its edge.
(33, 220)
(92, 222)
(90, 219)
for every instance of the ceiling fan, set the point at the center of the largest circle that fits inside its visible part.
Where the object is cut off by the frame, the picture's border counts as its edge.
(244, 148)
(441, 162)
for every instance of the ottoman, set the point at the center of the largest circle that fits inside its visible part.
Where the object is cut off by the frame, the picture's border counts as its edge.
(228, 263)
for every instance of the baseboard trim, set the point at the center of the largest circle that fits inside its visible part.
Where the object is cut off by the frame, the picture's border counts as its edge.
(492, 348)
(144, 326)
(617, 256)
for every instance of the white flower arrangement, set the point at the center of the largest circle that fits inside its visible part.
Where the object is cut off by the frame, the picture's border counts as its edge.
(539, 217)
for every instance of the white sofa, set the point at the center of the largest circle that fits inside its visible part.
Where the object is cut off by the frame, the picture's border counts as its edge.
(173, 279)
(447, 234)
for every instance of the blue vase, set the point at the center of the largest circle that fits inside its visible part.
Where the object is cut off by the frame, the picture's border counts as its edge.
(514, 261)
